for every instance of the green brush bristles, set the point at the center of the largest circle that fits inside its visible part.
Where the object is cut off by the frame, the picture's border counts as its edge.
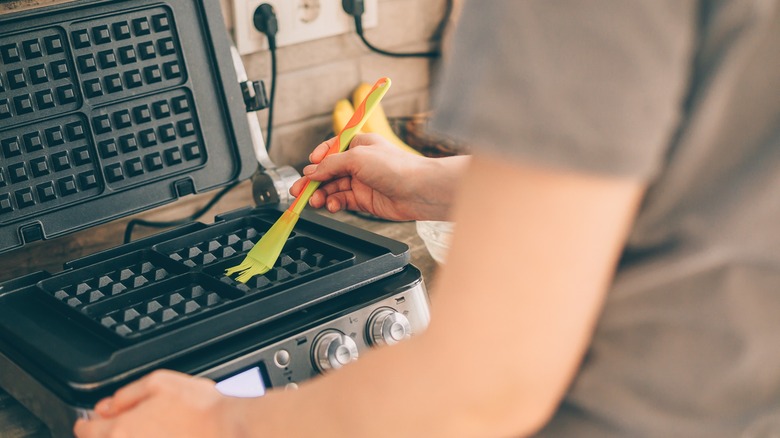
(248, 269)
(264, 254)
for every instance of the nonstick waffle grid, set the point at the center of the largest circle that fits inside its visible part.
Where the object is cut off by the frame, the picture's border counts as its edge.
(39, 171)
(160, 296)
(146, 291)
(55, 71)
(131, 51)
(162, 304)
(157, 135)
(101, 108)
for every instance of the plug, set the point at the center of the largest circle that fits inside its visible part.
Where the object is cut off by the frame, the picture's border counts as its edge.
(355, 8)
(265, 21)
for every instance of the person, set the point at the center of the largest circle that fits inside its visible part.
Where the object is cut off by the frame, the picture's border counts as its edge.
(615, 264)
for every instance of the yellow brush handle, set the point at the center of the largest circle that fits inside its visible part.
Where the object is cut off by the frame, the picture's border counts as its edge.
(362, 113)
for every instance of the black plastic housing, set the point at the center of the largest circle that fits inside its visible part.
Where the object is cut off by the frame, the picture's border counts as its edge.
(109, 108)
(132, 307)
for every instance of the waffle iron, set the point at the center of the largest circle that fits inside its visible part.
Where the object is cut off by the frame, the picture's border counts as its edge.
(109, 108)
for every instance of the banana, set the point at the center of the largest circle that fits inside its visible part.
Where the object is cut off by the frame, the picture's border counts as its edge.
(342, 112)
(378, 123)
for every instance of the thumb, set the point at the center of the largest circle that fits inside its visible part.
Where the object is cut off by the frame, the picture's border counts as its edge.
(370, 139)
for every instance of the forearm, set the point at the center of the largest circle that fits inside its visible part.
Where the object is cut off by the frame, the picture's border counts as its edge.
(507, 331)
(434, 182)
(406, 390)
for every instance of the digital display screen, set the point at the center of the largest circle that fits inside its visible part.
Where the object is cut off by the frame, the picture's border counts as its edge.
(246, 384)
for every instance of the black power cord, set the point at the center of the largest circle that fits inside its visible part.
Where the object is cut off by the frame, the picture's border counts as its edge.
(356, 8)
(166, 224)
(265, 21)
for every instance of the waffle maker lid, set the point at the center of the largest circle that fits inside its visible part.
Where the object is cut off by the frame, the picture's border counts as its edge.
(109, 108)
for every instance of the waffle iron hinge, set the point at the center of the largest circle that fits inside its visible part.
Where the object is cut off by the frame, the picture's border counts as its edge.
(271, 183)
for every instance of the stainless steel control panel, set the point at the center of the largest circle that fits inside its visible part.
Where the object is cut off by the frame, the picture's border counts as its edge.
(301, 355)
(328, 346)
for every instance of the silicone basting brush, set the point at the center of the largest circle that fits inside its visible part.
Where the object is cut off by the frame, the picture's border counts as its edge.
(262, 257)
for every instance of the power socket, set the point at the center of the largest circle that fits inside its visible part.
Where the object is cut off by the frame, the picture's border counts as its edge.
(299, 21)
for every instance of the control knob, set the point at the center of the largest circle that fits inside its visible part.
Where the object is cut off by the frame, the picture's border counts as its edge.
(388, 327)
(332, 350)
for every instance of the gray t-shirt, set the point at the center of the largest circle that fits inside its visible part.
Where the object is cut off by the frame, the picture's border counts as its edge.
(684, 95)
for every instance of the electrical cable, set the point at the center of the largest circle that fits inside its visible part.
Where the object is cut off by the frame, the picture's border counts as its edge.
(359, 30)
(356, 8)
(270, 123)
(167, 224)
(265, 21)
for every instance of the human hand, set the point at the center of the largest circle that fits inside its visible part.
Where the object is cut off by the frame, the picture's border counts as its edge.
(375, 177)
(162, 404)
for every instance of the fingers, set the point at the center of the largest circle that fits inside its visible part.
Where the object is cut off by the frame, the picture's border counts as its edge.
(325, 189)
(333, 203)
(334, 166)
(340, 201)
(320, 151)
(338, 185)
(336, 196)
(93, 428)
(104, 407)
(132, 394)
(319, 197)
(337, 164)
(366, 140)
(298, 186)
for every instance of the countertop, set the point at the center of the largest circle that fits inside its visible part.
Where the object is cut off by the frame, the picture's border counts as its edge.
(15, 420)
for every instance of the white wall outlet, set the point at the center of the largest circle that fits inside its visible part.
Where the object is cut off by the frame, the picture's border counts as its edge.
(299, 21)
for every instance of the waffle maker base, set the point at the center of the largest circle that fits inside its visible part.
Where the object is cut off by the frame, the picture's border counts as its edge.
(336, 291)
(113, 107)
